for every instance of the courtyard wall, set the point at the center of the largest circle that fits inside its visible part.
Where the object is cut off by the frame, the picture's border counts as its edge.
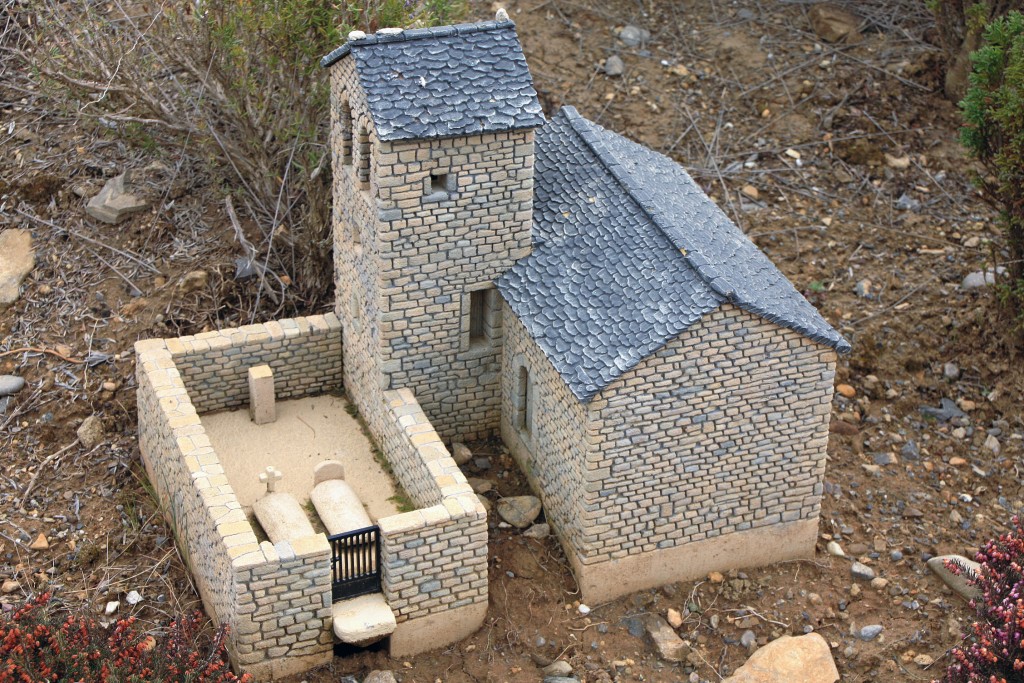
(275, 598)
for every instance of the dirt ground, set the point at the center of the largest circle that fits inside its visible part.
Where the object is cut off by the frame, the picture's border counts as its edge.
(841, 162)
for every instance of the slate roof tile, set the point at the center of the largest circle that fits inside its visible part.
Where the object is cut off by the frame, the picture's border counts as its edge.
(444, 82)
(619, 268)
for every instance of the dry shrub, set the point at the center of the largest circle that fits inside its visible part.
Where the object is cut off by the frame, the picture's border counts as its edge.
(238, 81)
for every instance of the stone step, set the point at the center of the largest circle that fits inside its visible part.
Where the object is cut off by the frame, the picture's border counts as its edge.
(364, 620)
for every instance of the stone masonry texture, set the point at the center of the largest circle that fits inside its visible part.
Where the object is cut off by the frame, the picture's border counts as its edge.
(274, 598)
(722, 430)
(433, 221)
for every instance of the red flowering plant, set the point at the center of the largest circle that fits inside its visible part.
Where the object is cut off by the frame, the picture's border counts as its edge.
(41, 641)
(994, 652)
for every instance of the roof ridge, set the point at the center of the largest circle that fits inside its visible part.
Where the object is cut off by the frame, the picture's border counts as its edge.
(693, 257)
(408, 35)
(639, 195)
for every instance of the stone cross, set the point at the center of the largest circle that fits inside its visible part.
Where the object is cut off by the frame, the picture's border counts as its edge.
(270, 478)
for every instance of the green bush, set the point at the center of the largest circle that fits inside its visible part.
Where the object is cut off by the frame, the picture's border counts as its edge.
(960, 24)
(993, 132)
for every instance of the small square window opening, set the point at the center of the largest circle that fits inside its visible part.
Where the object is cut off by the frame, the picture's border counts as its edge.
(438, 183)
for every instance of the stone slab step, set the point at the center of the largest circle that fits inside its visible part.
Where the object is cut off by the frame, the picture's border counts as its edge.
(339, 507)
(364, 620)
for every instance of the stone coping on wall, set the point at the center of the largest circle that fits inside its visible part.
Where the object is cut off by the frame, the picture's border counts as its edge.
(434, 558)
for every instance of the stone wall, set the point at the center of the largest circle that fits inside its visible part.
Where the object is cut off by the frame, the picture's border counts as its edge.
(436, 220)
(274, 598)
(553, 451)
(433, 558)
(708, 455)
(304, 353)
(722, 430)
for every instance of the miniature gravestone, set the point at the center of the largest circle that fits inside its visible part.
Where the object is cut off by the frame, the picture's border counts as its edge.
(261, 395)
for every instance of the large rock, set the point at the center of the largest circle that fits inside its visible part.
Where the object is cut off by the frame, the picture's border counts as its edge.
(670, 646)
(789, 659)
(114, 203)
(835, 24)
(519, 511)
(16, 261)
(958, 583)
(380, 677)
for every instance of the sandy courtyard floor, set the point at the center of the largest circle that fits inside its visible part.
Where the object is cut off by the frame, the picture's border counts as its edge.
(306, 432)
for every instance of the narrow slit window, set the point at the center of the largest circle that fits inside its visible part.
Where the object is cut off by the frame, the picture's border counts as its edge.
(524, 412)
(478, 316)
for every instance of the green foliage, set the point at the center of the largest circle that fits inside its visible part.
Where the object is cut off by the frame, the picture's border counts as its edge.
(993, 132)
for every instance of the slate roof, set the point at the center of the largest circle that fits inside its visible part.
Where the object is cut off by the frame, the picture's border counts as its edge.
(444, 82)
(629, 252)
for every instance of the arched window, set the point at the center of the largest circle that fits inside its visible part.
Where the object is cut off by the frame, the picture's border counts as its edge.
(362, 157)
(344, 129)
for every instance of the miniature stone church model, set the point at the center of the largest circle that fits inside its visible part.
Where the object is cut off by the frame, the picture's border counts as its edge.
(663, 386)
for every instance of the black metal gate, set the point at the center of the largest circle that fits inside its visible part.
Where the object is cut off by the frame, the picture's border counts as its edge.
(355, 563)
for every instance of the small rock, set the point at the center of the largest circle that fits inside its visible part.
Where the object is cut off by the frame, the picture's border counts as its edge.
(380, 677)
(884, 458)
(111, 607)
(972, 241)
(910, 451)
(716, 577)
(485, 503)
(614, 66)
(899, 163)
(907, 203)
(846, 390)
(957, 461)
(480, 485)
(870, 632)
(482, 463)
(583, 609)
(114, 204)
(992, 443)
(750, 191)
(979, 279)
(195, 280)
(11, 384)
(878, 583)
(9, 586)
(461, 454)
(957, 582)
(90, 432)
(912, 513)
(674, 618)
(634, 36)
(946, 411)
(924, 661)
(951, 371)
(557, 668)
(670, 646)
(519, 511)
(863, 289)
(133, 598)
(110, 386)
(17, 259)
(835, 24)
(748, 639)
(538, 531)
(861, 571)
(41, 543)
(834, 549)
